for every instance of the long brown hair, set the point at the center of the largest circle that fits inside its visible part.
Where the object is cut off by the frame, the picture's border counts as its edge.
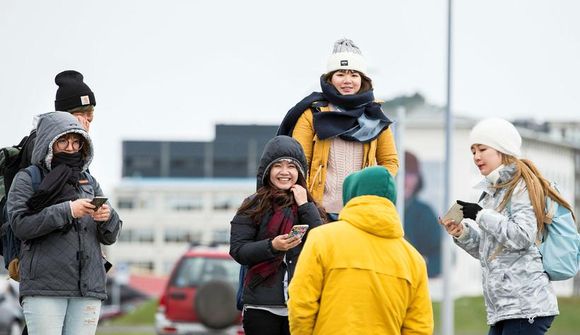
(267, 196)
(538, 188)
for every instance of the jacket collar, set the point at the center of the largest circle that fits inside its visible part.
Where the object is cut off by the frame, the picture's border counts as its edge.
(500, 175)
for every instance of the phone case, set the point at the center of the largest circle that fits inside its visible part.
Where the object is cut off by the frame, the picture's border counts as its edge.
(455, 213)
(298, 230)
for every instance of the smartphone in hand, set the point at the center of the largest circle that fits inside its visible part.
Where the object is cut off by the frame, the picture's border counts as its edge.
(98, 201)
(298, 230)
(454, 213)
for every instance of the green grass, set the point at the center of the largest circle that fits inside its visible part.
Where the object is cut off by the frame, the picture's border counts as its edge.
(469, 318)
(143, 315)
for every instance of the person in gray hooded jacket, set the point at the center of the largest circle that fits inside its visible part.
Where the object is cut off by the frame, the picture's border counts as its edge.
(62, 277)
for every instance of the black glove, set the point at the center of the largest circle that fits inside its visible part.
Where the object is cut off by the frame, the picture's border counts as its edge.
(469, 209)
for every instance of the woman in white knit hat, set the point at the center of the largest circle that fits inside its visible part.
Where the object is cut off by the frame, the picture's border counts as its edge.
(342, 129)
(502, 232)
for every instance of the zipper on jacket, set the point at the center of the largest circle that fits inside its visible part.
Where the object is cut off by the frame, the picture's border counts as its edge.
(318, 176)
(80, 252)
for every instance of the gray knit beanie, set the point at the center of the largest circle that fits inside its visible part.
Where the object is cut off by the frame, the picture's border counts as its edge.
(346, 56)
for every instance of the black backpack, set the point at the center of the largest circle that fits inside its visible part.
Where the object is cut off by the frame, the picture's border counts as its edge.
(12, 160)
(10, 243)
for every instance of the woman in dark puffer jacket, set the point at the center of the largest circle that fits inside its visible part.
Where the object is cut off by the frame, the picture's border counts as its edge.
(260, 239)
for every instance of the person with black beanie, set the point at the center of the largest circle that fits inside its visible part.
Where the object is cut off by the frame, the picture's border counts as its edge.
(62, 273)
(73, 96)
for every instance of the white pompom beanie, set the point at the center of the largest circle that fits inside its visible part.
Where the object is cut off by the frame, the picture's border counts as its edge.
(498, 134)
(346, 56)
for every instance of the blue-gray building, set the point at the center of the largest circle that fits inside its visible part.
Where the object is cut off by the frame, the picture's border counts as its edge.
(235, 152)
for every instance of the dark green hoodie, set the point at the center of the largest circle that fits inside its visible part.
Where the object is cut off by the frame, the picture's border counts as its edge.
(374, 180)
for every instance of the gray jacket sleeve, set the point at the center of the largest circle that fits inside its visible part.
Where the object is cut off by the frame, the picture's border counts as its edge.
(107, 231)
(517, 230)
(469, 240)
(27, 227)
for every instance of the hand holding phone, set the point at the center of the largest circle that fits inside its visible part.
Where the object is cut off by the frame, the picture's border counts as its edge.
(98, 202)
(298, 230)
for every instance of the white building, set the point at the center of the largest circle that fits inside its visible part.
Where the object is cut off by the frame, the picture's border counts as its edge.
(162, 217)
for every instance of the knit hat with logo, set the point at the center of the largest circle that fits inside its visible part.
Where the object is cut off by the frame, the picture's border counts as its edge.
(346, 56)
(499, 134)
(72, 91)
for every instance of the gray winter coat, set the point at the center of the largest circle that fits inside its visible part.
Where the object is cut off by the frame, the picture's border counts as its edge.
(53, 262)
(514, 282)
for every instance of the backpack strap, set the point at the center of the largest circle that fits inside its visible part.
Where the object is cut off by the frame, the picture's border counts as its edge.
(551, 211)
(36, 175)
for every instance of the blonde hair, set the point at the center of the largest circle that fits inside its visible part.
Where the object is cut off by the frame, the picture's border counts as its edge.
(538, 188)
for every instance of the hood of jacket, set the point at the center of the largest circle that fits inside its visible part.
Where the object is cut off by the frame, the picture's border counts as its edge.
(373, 214)
(50, 127)
(281, 147)
(374, 180)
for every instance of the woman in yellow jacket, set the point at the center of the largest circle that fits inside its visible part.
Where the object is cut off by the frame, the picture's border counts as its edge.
(359, 275)
(342, 129)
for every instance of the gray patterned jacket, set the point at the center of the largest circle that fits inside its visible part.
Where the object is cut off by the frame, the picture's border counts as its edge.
(54, 262)
(514, 282)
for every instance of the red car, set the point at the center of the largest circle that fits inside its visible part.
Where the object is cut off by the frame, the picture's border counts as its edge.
(200, 297)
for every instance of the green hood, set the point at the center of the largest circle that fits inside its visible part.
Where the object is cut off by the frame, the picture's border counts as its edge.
(374, 180)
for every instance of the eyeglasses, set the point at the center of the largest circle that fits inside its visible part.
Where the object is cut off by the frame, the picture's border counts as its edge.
(63, 143)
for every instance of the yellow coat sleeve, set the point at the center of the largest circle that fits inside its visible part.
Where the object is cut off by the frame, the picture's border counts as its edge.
(304, 133)
(387, 152)
(306, 288)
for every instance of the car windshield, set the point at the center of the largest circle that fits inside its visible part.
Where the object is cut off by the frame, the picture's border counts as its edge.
(195, 271)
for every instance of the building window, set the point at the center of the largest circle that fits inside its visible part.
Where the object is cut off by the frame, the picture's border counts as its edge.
(140, 266)
(126, 203)
(225, 202)
(221, 236)
(177, 235)
(185, 203)
(142, 235)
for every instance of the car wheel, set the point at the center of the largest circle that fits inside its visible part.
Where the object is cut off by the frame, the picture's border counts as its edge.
(215, 304)
(15, 328)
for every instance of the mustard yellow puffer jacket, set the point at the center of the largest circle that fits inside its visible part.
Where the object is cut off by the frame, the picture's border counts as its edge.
(360, 276)
(380, 151)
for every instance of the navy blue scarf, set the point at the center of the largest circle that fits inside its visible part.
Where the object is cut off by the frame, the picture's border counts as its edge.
(360, 118)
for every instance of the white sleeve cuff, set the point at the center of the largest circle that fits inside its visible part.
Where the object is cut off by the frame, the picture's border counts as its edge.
(71, 210)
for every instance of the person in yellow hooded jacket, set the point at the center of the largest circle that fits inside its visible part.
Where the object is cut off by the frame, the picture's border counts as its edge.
(342, 128)
(359, 275)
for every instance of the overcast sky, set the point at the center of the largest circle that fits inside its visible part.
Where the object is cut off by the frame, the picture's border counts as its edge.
(172, 69)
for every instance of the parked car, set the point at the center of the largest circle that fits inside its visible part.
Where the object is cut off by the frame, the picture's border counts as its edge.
(11, 315)
(200, 297)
